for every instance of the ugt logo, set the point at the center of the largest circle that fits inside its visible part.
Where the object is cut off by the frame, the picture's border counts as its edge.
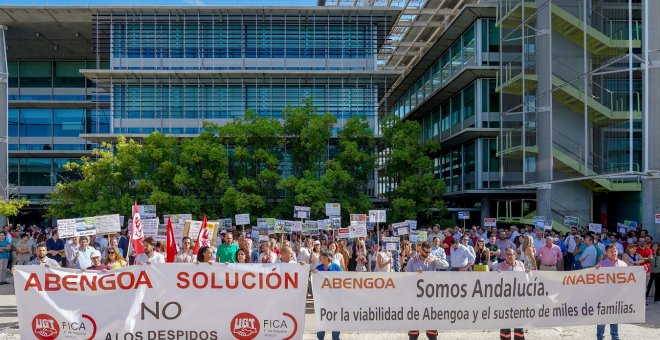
(245, 326)
(45, 327)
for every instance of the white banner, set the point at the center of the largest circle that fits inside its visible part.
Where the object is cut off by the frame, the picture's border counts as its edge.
(347, 301)
(252, 301)
(242, 219)
(332, 209)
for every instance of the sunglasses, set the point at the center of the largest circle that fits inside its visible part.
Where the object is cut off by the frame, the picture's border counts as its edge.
(111, 252)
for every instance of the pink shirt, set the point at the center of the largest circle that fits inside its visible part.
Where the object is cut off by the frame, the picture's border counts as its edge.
(549, 256)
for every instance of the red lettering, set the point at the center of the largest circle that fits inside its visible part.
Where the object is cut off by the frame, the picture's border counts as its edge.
(183, 280)
(245, 283)
(33, 282)
(52, 282)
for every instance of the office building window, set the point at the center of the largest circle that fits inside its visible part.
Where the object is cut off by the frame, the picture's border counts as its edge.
(35, 123)
(69, 122)
(35, 172)
(67, 74)
(36, 74)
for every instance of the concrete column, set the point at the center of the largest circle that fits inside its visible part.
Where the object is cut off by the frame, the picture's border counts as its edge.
(651, 185)
(485, 209)
(544, 107)
(4, 107)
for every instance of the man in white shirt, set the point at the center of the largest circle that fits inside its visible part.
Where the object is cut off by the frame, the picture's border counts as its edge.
(514, 233)
(149, 256)
(539, 240)
(305, 251)
(461, 257)
(82, 258)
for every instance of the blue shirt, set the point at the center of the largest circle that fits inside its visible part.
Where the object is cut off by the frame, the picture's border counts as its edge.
(4, 253)
(55, 245)
(589, 256)
(332, 268)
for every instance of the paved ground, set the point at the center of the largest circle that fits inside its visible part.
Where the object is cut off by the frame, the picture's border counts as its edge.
(649, 330)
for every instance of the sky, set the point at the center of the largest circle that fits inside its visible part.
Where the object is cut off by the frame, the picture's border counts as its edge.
(159, 2)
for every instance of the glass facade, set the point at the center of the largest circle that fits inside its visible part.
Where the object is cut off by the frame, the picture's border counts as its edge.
(463, 53)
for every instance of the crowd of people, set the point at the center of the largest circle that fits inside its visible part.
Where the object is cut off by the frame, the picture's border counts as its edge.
(452, 249)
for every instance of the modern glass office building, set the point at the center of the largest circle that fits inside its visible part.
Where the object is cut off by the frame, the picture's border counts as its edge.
(81, 75)
(540, 110)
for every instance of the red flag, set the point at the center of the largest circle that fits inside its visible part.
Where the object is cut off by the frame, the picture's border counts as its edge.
(136, 232)
(171, 243)
(202, 237)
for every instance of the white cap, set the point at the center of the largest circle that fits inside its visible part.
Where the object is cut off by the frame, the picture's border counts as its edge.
(95, 253)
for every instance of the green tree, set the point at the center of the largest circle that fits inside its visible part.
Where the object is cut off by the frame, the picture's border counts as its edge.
(11, 207)
(408, 167)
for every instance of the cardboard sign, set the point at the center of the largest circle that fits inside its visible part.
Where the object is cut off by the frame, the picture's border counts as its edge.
(66, 228)
(310, 228)
(332, 209)
(390, 243)
(191, 229)
(150, 227)
(297, 227)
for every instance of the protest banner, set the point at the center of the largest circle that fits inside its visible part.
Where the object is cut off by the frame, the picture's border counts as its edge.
(332, 209)
(335, 222)
(178, 233)
(177, 218)
(107, 224)
(414, 237)
(422, 236)
(302, 212)
(356, 302)
(571, 221)
(258, 302)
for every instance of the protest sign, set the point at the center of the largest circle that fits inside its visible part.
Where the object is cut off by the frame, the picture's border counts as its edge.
(596, 227)
(390, 243)
(490, 222)
(571, 221)
(264, 301)
(242, 219)
(335, 222)
(377, 216)
(412, 224)
(332, 209)
(344, 232)
(358, 227)
(107, 224)
(150, 227)
(301, 212)
(177, 218)
(191, 229)
(657, 218)
(147, 211)
(85, 226)
(422, 236)
(310, 228)
(297, 227)
(66, 228)
(357, 302)
(414, 237)
(463, 215)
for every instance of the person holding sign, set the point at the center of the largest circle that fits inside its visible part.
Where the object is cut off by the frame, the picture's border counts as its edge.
(512, 265)
(327, 264)
(423, 261)
(611, 260)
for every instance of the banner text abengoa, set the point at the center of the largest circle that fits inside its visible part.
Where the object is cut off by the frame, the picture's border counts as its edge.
(476, 300)
(172, 301)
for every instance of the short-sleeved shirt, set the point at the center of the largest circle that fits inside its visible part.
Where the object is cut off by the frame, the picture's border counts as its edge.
(227, 253)
(55, 245)
(492, 247)
(4, 253)
(332, 268)
(156, 257)
(47, 261)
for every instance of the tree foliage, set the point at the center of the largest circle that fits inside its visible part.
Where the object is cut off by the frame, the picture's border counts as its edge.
(257, 165)
(408, 166)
